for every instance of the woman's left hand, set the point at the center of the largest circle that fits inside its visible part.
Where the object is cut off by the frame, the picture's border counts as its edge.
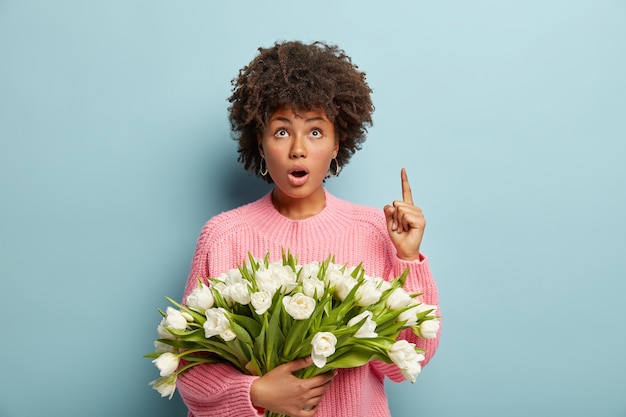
(405, 223)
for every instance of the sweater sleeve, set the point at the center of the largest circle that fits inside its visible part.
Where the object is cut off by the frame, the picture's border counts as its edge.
(213, 389)
(217, 390)
(419, 280)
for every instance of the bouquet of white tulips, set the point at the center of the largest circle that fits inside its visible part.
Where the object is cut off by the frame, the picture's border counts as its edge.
(263, 314)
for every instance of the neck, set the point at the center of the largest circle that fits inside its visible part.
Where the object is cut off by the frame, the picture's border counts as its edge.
(299, 208)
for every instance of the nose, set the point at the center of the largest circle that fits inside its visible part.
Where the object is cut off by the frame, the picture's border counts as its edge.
(298, 147)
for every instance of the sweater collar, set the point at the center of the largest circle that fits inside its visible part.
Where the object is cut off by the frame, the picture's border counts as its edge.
(267, 220)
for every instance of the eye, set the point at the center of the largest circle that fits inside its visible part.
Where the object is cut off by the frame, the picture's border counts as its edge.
(281, 133)
(316, 133)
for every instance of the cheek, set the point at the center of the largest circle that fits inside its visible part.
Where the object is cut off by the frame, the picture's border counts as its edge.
(324, 153)
(271, 153)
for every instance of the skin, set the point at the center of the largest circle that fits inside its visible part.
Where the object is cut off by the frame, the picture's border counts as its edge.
(280, 391)
(405, 222)
(305, 142)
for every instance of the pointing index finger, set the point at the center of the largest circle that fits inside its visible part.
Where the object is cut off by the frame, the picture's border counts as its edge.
(407, 196)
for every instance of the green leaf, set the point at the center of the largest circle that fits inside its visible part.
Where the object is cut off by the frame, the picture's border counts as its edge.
(358, 271)
(286, 321)
(350, 359)
(220, 301)
(321, 311)
(188, 335)
(178, 343)
(241, 333)
(276, 339)
(227, 350)
(391, 329)
(253, 367)
(289, 259)
(380, 345)
(425, 315)
(174, 302)
(198, 317)
(400, 279)
(249, 324)
(299, 331)
(259, 347)
(204, 359)
(243, 350)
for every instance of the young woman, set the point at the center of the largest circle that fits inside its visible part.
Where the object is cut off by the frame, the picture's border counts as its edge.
(299, 112)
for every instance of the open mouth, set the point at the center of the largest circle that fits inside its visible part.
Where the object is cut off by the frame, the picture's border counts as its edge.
(298, 174)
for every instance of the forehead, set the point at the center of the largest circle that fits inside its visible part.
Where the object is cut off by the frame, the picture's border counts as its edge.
(289, 112)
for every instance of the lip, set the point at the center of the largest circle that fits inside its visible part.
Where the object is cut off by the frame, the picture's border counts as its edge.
(298, 175)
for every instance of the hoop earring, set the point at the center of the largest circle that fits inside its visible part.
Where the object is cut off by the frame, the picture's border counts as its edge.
(262, 171)
(337, 169)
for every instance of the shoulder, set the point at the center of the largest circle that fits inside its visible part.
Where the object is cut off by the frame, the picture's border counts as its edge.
(358, 213)
(232, 221)
(348, 206)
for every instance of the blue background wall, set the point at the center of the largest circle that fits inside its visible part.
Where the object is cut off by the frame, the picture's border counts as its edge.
(509, 115)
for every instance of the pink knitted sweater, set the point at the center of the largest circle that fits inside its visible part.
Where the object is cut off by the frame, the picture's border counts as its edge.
(353, 234)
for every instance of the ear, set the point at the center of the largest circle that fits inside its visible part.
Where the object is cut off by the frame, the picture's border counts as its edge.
(259, 142)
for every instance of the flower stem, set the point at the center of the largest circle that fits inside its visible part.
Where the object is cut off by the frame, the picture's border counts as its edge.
(273, 414)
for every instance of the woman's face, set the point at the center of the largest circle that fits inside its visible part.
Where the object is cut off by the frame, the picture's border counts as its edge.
(298, 149)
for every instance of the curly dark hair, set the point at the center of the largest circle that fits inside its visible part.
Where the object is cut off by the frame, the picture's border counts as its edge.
(307, 77)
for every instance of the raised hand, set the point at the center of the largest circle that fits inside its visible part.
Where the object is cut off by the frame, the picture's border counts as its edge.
(405, 223)
(282, 392)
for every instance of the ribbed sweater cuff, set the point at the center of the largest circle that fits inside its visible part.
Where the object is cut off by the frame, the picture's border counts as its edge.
(230, 391)
(419, 269)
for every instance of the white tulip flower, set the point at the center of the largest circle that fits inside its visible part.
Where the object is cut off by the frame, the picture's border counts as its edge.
(409, 316)
(160, 347)
(216, 323)
(310, 270)
(313, 287)
(165, 386)
(167, 363)
(333, 275)
(261, 301)
(201, 298)
(403, 354)
(383, 285)
(299, 306)
(399, 299)
(266, 282)
(239, 292)
(429, 328)
(231, 277)
(368, 293)
(323, 346)
(344, 286)
(367, 328)
(285, 275)
(174, 319)
(163, 332)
